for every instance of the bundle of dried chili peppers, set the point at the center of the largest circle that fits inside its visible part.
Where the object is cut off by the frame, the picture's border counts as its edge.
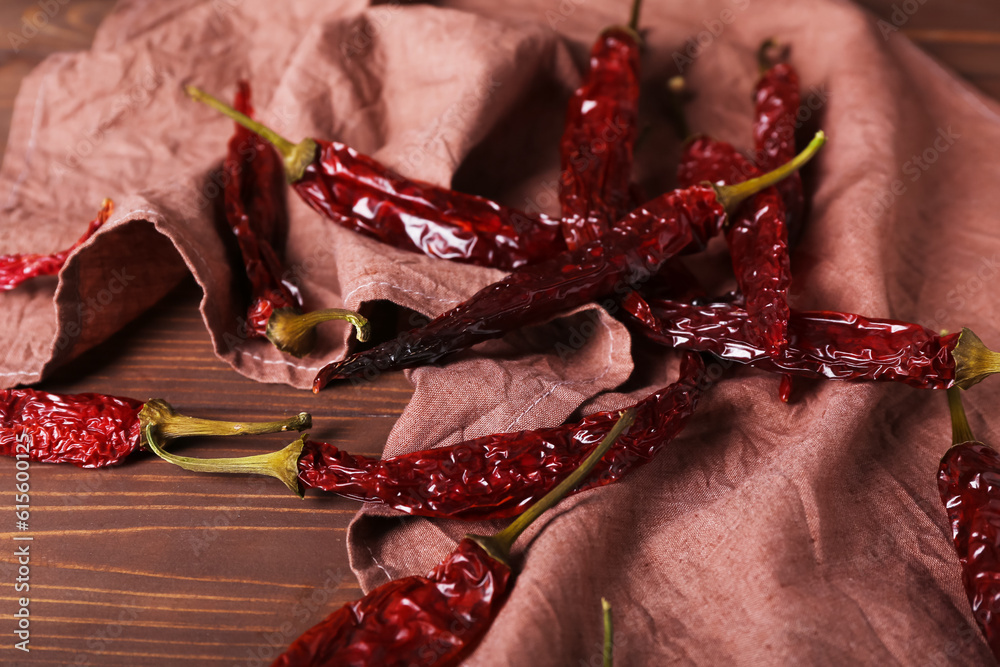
(95, 430)
(15, 269)
(255, 210)
(969, 484)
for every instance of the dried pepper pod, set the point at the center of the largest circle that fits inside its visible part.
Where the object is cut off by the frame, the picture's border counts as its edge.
(434, 620)
(95, 430)
(777, 99)
(15, 269)
(823, 344)
(597, 144)
(639, 245)
(358, 193)
(969, 484)
(492, 477)
(255, 210)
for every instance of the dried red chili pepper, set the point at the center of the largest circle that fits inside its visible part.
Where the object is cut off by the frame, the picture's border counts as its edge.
(95, 430)
(969, 484)
(491, 477)
(255, 211)
(15, 269)
(357, 192)
(776, 106)
(435, 620)
(639, 245)
(597, 144)
(822, 344)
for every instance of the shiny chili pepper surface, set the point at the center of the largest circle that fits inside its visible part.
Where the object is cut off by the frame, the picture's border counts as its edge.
(969, 484)
(597, 144)
(357, 192)
(15, 269)
(255, 211)
(776, 107)
(454, 604)
(705, 159)
(840, 346)
(497, 476)
(87, 430)
(638, 246)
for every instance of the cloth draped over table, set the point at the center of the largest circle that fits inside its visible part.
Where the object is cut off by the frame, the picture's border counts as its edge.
(767, 533)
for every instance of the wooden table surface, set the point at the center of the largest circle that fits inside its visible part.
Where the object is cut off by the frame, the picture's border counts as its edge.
(200, 594)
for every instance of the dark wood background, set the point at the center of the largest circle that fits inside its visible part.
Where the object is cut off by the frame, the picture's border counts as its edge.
(150, 564)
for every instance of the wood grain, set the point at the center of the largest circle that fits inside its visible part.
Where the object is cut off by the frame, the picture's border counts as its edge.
(198, 593)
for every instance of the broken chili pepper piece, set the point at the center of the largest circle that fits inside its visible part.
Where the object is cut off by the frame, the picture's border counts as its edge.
(15, 269)
(437, 619)
(357, 192)
(96, 430)
(597, 144)
(255, 211)
(823, 344)
(638, 246)
(969, 484)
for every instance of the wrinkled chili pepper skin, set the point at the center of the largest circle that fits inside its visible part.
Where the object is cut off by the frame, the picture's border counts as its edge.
(87, 430)
(430, 621)
(255, 211)
(757, 237)
(498, 476)
(357, 192)
(15, 269)
(633, 250)
(969, 484)
(776, 107)
(597, 144)
(838, 346)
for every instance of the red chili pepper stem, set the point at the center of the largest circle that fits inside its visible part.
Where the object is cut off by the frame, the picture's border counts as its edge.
(765, 59)
(632, 27)
(498, 546)
(974, 362)
(677, 95)
(960, 430)
(282, 464)
(295, 333)
(295, 156)
(608, 633)
(159, 414)
(731, 196)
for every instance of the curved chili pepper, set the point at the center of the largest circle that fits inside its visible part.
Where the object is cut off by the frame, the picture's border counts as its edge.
(255, 211)
(15, 269)
(95, 430)
(639, 245)
(823, 344)
(359, 193)
(435, 620)
(597, 144)
(496, 476)
(969, 484)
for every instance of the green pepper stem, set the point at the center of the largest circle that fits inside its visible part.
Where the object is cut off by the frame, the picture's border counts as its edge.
(157, 412)
(633, 17)
(731, 196)
(294, 332)
(764, 59)
(499, 545)
(676, 93)
(960, 430)
(974, 362)
(295, 156)
(609, 632)
(283, 464)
